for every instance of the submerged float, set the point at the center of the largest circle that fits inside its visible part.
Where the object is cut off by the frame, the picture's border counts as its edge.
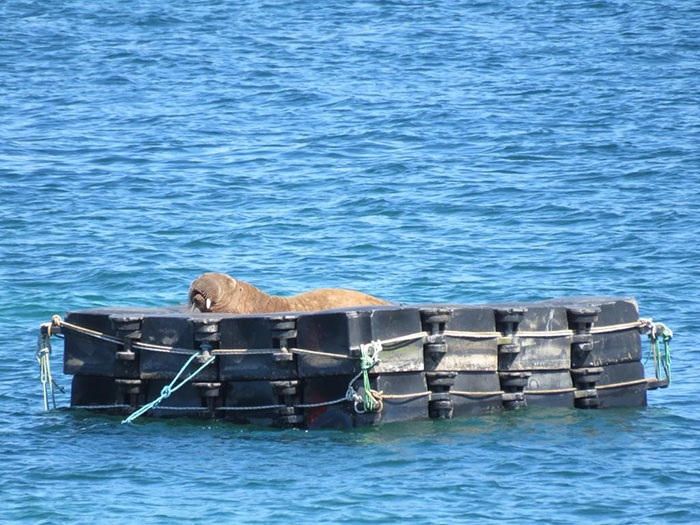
(358, 366)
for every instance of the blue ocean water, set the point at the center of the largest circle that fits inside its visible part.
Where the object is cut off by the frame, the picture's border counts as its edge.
(419, 151)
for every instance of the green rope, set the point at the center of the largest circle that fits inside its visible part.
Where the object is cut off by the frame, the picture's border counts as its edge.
(666, 336)
(369, 356)
(170, 388)
(662, 359)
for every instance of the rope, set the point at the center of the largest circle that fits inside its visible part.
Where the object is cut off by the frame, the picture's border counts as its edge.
(661, 359)
(551, 391)
(476, 394)
(383, 396)
(261, 407)
(245, 351)
(171, 387)
(191, 409)
(472, 335)
(97, 407)
(323, 403)
(369, 356)
(317, 352)
(43, 352)
(535, 334)
(544, 334)
(401, 339)
(640, 324)
(57, 321)
(161, 348)
(625, 383)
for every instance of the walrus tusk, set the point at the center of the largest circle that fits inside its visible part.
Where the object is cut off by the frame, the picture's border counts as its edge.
(221, 293)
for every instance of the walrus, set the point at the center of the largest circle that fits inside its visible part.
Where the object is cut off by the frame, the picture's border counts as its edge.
(221, 293)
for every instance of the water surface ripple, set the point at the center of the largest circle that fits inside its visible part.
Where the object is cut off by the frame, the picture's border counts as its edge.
(420, 151)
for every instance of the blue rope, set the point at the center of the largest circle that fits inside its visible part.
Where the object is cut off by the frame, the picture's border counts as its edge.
(170, 388)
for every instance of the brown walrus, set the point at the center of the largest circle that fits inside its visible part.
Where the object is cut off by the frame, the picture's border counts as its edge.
(221, 293)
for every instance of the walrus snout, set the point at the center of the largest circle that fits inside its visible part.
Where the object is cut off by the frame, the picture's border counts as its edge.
(209, 290)
(200, 302)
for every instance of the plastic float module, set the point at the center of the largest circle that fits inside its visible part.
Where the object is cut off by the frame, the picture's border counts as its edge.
(357, 366)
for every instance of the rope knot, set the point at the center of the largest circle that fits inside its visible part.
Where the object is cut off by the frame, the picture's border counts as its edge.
(369, 354)
(166, 391)
(662, 358)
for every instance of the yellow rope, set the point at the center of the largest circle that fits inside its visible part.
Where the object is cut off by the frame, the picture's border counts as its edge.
(626, 383)
(403, 396)
(621, 327)
(56, 320)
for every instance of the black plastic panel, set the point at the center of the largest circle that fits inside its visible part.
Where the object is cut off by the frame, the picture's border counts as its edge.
(337, 332)
(255, 333)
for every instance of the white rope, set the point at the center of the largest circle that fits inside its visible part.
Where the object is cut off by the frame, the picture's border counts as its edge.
(245, 351)
(193, 409)
(162, 349)
(471, 335)
(642, 323)
(318, 352)
(619, 385)
(544, 334)
(402, 339)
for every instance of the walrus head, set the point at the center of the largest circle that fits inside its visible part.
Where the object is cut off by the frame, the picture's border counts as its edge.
(212, 292)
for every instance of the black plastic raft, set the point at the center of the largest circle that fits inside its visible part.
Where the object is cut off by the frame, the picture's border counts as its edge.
(360, 366)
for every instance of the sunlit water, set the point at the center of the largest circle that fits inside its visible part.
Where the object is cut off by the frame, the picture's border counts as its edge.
(428, 151)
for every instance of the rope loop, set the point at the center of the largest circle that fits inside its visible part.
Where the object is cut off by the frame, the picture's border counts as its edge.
(369, 357)
(369, 354)
(43, 355)
(169, 389)
(56, 321)
(662, 358)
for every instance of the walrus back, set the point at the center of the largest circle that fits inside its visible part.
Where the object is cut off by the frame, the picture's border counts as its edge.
(330, 298)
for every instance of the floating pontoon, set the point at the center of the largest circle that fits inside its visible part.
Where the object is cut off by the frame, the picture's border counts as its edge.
(359, 366)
